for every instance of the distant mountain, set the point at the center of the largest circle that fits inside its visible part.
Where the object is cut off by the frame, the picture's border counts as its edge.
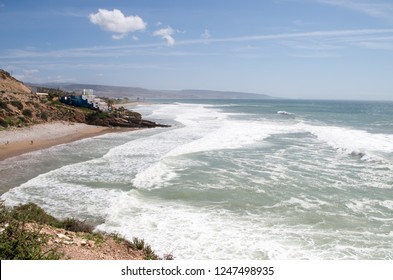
(142, 93)
(207, 94)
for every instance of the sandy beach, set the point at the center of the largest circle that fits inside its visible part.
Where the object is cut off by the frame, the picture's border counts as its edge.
(18, 141)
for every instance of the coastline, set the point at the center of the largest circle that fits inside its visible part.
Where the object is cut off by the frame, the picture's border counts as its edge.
(18, 141)
(130, 104)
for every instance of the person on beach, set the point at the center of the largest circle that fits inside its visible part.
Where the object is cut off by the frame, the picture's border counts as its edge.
(31, 143)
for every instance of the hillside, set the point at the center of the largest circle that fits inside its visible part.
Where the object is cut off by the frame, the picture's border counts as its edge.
(20, 107)
(10, 84)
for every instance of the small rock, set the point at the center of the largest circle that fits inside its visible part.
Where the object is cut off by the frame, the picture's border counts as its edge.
(83, 243)
(63, 236)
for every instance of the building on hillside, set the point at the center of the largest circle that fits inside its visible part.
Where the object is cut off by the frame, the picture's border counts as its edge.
(87, 100)
(42, 94)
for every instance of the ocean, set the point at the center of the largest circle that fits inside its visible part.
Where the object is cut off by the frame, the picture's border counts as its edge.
(231, 179)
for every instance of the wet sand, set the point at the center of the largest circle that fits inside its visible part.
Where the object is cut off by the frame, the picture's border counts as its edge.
(14, 142)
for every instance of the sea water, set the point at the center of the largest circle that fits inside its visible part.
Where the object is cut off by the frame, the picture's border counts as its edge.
(231, 179)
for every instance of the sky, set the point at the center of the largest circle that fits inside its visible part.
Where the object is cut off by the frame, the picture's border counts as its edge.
(307, 49)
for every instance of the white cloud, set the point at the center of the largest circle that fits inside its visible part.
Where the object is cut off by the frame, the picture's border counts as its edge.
(119, 36)
(206, 34)
(135, 38)
(115, 21)
(375, 9)
(165, 33)
(28, 74)
(388, 46)
(327, 40)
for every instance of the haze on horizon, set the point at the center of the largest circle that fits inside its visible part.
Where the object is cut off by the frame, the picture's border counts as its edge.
(314, 49)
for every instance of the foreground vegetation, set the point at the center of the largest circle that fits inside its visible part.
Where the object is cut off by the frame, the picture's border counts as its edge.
(21, 241)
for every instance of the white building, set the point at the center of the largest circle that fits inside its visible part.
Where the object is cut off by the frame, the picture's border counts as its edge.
(88, 94)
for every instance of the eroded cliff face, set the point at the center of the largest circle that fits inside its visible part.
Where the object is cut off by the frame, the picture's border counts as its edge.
(9, 84)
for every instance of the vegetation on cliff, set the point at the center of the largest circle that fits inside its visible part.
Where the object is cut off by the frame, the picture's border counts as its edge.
(27, 232)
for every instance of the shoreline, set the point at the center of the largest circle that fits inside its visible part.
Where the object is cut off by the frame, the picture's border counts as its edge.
(131, 103)
(18, 141)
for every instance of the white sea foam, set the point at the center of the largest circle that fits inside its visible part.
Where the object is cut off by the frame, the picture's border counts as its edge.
(370, 205)
(352, 141)
(230, 135)
(63, 199)
(285, 113)
(204, 130)
(192, 233)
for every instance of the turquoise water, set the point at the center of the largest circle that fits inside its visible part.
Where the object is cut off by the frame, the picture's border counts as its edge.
(233, 179)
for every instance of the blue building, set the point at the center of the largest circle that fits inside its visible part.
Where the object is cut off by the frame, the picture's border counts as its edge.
(86, 100)
(77, 101)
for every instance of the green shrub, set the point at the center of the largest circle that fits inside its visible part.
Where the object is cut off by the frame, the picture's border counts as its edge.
(137, 244)
(140, 245)
(3, 123)
(22, 120)
(27, 113)
(96, 115)
(3, 105)
(17, 104)
(33, 213)
(117, 238)
(44, 116)
(12, 121)
(17, 243)
(76, 226)
(56, 102)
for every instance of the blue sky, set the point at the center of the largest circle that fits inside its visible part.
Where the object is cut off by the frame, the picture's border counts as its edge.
(316, 49)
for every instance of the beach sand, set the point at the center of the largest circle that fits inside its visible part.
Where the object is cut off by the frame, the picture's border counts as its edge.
(18, 141)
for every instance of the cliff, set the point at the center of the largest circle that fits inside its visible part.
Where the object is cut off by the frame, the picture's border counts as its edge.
(11, 85)
(20, 107)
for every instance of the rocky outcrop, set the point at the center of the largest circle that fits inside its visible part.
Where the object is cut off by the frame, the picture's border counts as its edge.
(120, 118)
